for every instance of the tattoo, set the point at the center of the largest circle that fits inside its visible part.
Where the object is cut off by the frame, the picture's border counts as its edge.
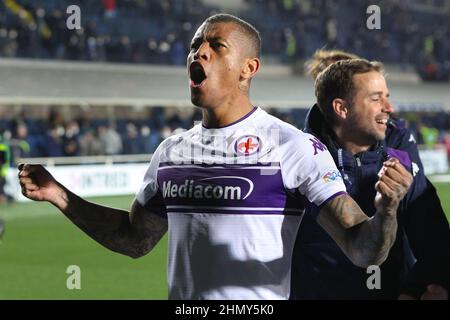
(346, 211)
(244, 88)
(133, 234)
(366, 241)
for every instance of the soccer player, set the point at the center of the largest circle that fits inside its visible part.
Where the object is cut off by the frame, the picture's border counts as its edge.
(231, 191)
(355, 123)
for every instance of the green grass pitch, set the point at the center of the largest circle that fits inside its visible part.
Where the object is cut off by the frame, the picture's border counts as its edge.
(39, 244)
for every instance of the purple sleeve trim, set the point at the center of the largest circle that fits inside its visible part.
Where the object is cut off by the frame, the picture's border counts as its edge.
(331, 198)
(316, 209)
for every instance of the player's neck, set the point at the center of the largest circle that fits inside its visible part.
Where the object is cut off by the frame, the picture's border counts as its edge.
(226, 114)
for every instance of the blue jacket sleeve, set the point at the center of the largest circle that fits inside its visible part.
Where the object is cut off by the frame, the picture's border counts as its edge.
(425, 225)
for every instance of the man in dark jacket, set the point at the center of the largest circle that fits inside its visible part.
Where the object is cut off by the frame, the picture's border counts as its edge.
(353, 119)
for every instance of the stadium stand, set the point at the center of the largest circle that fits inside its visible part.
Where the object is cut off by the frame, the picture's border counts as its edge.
(413, 33)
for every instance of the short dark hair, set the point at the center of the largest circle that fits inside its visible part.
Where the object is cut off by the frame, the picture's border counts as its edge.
(336, 81)
(323, 58)
(246, 28)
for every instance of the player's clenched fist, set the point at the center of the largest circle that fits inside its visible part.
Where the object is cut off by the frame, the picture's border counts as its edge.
(392, 186)
(37, 183)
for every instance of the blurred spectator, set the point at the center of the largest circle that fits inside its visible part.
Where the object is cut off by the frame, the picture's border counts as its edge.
(131, 139)
(20, 147)
(110, 140)
(291, 45)
(71, 143)
(53, 146)
(149, 140)
(429, 135)
(90, 145)
(110, 8)
(166, 132)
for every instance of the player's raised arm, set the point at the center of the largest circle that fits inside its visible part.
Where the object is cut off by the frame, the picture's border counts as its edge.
(132, 233)
(367, 241)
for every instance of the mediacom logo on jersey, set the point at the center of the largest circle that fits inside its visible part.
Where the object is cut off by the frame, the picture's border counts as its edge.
(332, 176)
(200, 189)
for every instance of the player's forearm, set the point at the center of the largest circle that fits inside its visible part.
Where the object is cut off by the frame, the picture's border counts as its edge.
(109, 227)
(372, 239)
(369, 242)
(366, 241)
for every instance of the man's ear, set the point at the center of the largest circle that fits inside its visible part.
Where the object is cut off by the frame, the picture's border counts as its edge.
(340, 108)
(250, 68)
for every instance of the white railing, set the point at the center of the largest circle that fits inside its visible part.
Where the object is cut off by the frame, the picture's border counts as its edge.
(89, 180)
(81, 160)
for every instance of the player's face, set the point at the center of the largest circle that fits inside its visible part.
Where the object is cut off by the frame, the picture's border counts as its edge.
(371, 108)
(214, 64)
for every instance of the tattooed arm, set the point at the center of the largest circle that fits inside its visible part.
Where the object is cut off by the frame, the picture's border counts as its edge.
(367, 241)
(132, 233)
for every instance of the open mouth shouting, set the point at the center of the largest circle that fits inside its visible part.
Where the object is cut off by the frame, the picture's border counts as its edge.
(197, 75)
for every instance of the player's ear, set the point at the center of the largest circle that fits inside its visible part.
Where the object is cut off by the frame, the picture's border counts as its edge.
(340, 108)
(250, 68)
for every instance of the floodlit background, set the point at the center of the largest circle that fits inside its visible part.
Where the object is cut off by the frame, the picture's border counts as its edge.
(92, 105)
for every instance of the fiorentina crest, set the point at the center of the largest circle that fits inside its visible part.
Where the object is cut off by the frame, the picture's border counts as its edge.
(247, 145)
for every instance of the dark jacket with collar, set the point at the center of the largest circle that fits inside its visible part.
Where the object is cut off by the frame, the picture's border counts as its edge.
(421, 252)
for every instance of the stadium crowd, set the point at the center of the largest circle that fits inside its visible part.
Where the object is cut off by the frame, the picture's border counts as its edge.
(56, 136)
(158, 32)
(52, 135)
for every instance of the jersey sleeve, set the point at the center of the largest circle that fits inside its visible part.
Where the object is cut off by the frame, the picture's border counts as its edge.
(308, 168)
(425, 224)
(149, 195)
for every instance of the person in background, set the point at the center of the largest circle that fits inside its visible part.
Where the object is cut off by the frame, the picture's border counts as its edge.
(360, 138)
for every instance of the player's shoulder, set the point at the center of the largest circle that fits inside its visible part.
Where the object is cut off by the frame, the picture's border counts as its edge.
(175, 138)
(287, 133)
(164, 150)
